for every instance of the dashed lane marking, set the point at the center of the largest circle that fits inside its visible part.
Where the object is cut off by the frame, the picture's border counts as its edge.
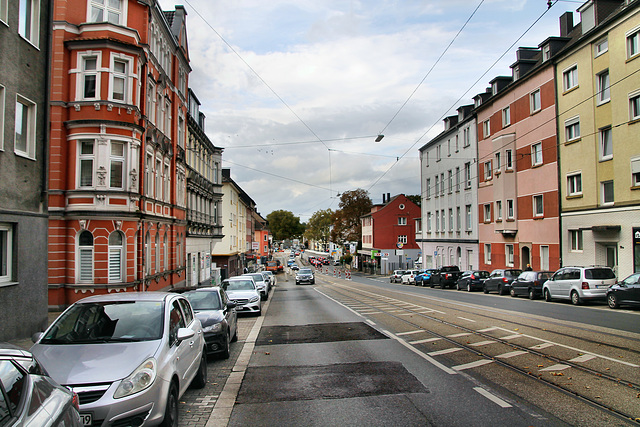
(492, 397)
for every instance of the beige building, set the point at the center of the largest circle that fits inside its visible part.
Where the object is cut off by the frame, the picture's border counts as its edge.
(598, 100)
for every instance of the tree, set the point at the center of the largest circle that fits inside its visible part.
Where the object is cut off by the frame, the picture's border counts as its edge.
(284, 225)
(346, 220)
(319, 226)
(417, 199)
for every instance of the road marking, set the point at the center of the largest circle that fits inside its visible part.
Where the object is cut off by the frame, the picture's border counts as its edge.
(583, 358)
(468, 320)
(512, 337)
(446, 351)
(541, 346)
(462, 334)
(417, 331)
(481, 343)
(492, 398)
(558, 367)
(471, 365)
(421, 354)
(487, 329)
(369, 321)
(512, 354)
(424, 340)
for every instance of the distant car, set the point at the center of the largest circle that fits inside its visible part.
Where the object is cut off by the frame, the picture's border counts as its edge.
(261, 284)
(130, 356)
(500, 280)
(218, 317)
(305, 275)
(267, 279)
(530, 283)
(409, 277)
(33, 398)
(625, 292)
(295, 267)
(243, 291)
(579, 284)
(272, 277)
(336, 262)
(472, 280)
(396, 276)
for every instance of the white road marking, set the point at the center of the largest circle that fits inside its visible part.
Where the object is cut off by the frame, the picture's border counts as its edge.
(468, 320)
(583, 358)
(512, 337)
(492, 398)
(446, 351)
(421, 354)
(462, 334)
(558, 367)
(481, 343)
(541, 346)
(417, 331)
(512, 354)
(471, 365)
(487, 329)
(424, 340)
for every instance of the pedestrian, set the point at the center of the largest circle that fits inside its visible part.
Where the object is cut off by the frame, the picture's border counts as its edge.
(528, 268)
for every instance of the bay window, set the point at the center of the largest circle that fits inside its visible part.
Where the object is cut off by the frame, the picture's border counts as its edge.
(86, 161)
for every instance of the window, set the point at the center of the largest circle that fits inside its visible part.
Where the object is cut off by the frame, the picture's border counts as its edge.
(117, 170)
(119, 80)
(487, 213)
(147, 253)
(498, 162)
(429, 222)
(458, 179)
(486, 129)
(148, 175)
(157, 250)
(402, 221)
(437, 186)
(167, 183)
(536, 154)
(106, 11)
(575, 237)
(498, 210)
(634, 106)
(538, 205)
(546, 52)
(15, 387)
(509, 159)
(1, 114)
(633, 43)
(85, 257)
(467, 217)
(402, 239)
(487, 170)
(544, 257)
(457, 143)
(607, 192)
(158, 194)
(466, 137)
(450, 180)
(29, 20)
(165, 254)
(467, 175)
(570, 78)
(116, 257)
(572, 129)
(450, 219)
(180, 130)
(86, 158)
(606, 144)
(604, 94)
(448, 148)
(509, 255)
(574, 184)
(442, 184)
(536, 103)
(428, 188)
(510, 209)
(600, 47)
(151, 108)
(458, 219)
(506, 117)
(487, 253)
(635, 172)
(25, 128)
(442, 223)
(438, 153)
(6, 252)
(89, 78)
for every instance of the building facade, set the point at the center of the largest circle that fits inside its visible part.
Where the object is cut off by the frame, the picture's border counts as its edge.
(24, 78)
(117, 178)
(598, 127)
(449, 228)
(204, 199)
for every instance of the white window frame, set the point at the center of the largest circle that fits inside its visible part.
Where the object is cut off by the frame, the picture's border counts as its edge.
(437, 186)
(402, 220)
(2, 114)
(458, 179)
(633, 43)
(85, 253)
(127, 77)
(158, 175)
(538, 205)
(157, 251)
(429, 217)
(428, 188)
(576, 242)
(544, 257)
(508, 165)
(458, 219)
(29, 26)
(603, 185)
(116, 258)
(31, 114)
(82, 73)
(506, 116)
(147, 250)
(635, 172)
(167, 181)
(605, 136)
(546, 52)
(486, 209)
(85, 158)
(601, 46)
(450, 181)
(108, 9)
(498, 162)
(536, 154)
(509, 255)
(442, 184)
(487, 253)
(114, 159)
(510, 209)
(634, 106)
(572, 129)
(486, 128)
(535, 101)
(151, 102)
(402, 239)
(468, 218)
(165, 251)
(574, 184)
(6, 250)
(466, 137)
(488, 170)
(603, 90)
(498, 210)
(450, 219)
(570, 77)
(467, 175)
(149, 174)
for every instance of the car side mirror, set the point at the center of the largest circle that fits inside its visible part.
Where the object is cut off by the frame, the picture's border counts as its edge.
(36, 337)
(231, 304)
(185, 334)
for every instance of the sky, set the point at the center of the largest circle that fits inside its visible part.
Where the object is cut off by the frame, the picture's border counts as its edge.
(296, 91)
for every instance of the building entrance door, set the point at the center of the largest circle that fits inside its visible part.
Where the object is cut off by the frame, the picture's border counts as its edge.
(612, 257)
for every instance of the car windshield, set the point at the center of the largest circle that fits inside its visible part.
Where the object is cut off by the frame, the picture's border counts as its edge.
(599, 273)
(257, 277)
(209, 300)
(112, 321)
(239, 285)
(305, 271)
(512, 273)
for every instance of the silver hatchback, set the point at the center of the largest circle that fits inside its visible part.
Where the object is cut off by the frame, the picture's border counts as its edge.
(579, 284)
(128, 356)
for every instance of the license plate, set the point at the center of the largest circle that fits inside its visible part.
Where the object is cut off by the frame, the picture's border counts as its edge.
(86, 419)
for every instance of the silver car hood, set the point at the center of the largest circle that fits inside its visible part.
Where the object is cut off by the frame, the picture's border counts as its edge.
(242, 294)
(73, 364)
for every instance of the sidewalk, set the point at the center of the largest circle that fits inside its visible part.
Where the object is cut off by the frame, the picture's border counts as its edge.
(26, 343)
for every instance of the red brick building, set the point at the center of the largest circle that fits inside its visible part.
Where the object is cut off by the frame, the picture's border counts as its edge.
(116, 170)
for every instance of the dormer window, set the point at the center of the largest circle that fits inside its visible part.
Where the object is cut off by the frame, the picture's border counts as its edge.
(546, 53)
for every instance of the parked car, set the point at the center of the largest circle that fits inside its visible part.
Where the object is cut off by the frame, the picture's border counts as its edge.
(33, 398)
(305, 275)
(122, 354)
(218, 317)
(272, 277)
(243, 291)
(424, 278)
(530, 283)
(625, 292)
(396, 276)
(500, 280)
(579, 284)
(409, 277)
(472, 280)
(295, 267)
(446, 276)
(261, 284)
(267, 280)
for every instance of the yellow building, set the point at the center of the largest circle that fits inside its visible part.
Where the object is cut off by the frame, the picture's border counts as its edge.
(598, 101)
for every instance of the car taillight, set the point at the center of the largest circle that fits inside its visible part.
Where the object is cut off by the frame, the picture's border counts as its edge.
(473, 277)
(585, 285)
(505, 280)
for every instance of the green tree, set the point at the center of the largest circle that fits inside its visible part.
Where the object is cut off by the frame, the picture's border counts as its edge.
(284, 225)
(319, 226)
(415, 199)
(346, 220)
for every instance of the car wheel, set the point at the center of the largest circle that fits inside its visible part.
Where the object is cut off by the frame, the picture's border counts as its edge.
(612, 300)
(200, 380)
(532, 294)
(224, 354)
(171, 411)
(500, 290)
(234, 338)
(547, 295)
(513, 293)
(485, 290)
(575, 298)
(469, 288)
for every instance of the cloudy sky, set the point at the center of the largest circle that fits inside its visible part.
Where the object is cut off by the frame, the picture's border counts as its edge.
(295, 91)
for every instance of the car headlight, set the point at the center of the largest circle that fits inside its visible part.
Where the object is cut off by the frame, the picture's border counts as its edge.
(216, 327)
(254, 299)
(140, 379)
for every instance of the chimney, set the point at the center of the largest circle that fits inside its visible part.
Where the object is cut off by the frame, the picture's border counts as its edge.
(566, 24)
(388, 197)
(383, 199)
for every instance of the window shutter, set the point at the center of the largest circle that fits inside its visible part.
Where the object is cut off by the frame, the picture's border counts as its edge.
(86, 265)
(115, 265)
